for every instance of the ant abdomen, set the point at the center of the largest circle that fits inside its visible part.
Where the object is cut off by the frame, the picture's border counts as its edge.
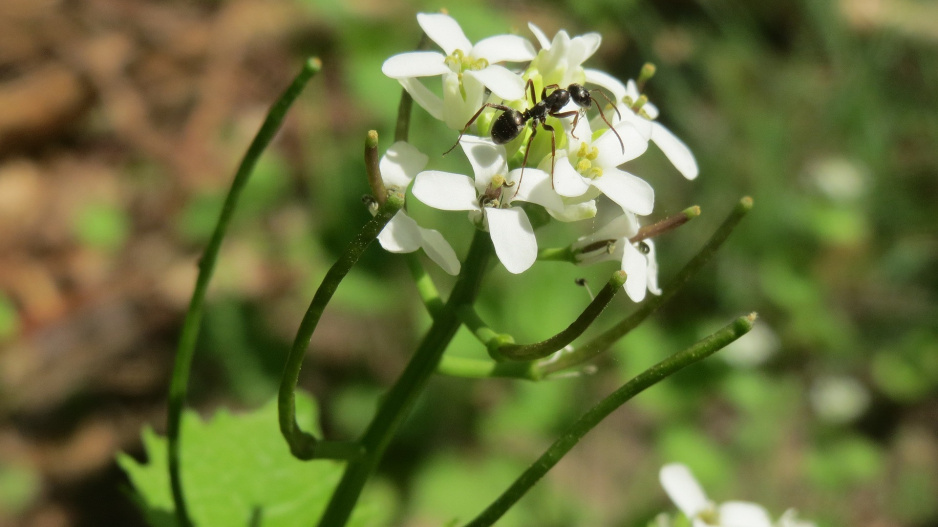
(507, 126)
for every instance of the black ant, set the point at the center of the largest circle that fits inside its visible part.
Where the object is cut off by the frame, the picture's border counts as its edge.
(511, 122)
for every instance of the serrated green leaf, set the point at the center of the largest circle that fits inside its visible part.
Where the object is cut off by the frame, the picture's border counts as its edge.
(236, 466)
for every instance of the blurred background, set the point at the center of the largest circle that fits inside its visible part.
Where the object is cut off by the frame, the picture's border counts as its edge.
(121, 124)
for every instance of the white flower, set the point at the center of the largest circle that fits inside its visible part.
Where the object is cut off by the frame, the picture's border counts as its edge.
(690, 498)
(489, 199)
(402, 234)
(611, 242)
(560, 60)
(790, 519)
(626, 96)
(467, 69)
(587, 163)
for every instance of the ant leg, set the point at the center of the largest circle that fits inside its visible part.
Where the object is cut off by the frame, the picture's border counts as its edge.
(601, 114)
(576, 118)
(530, 86)
(474, 117)
(544, 91)
(553, 151)
(524, 162)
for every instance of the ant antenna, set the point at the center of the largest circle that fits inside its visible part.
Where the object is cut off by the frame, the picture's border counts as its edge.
(603, 115)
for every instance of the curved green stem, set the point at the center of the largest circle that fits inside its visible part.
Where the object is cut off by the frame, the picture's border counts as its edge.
(399, 400)
(593, 348)
(544, 348)
(425, 287)
(304, 445)
(190, 329)
(482, 369)
(595, 415)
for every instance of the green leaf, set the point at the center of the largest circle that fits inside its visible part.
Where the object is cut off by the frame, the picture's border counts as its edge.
(236, 466)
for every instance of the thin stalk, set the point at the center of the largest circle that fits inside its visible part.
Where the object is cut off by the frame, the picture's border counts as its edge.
(190, 329)
(425, 286)
(399, 400)
(470, 368)
(544, 348)
(304, 445)
(595, 415)
(602, 342)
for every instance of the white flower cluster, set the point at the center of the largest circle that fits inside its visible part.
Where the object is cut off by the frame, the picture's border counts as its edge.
(572, 162)
(689, 496)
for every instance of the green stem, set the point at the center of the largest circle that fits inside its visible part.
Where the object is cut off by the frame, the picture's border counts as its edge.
(399, 400)
(593, 348)
(190, 329)
(304, 445)
(544, 348)
(595, 415)
(482, 369)
(425, 287)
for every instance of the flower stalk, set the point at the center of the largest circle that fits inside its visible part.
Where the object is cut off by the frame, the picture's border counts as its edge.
(190, 330)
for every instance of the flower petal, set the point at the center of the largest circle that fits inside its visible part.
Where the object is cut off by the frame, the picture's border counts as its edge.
(567, 181)
(535, 188)
(583, 47)
(415, 64)
(675, 150)
(502, 82)
(504, 48)
(439, 250)
(743, 514)
(445, 190)
(540, 36)
(513, 238)
(622, 226)
(401, 234)
(612, 153)
(445, 31)
(487, 159)
(604, 80)
(462, 97)
(652, 268)
(683, 489)
(427, 100)
(636, 270)
(582, 210)
(632, 193)
(400, 164)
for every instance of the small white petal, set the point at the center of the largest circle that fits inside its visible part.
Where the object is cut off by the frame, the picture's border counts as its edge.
(445, 31)
(611, 153)
(401, 234)
(631, 89)
(632, 193)
(427, 100)
(462, 97)
(622, 226)
(487, 159)
(636, 271)
(652, 268)
(439, 250)
(604, 80)
(503, 48)
(683, 489)
(534, 187)
(583, 210)
(675, 150)
(743, 514)
(513, 238)
(445, 190)
(540, 36)
(400, 164)
(583, 47)
(415, 64)
(502, 82)
(567, 181)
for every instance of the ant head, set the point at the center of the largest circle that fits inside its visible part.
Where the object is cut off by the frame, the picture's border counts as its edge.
(580, 95)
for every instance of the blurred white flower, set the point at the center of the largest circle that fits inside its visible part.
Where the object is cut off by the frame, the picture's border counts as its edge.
(466, 69)
(839, 399)
(398, 167)
(753, 349)
(489, 198)
(625, 96)
(689, 496)
(611, 242)
(790, 519)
